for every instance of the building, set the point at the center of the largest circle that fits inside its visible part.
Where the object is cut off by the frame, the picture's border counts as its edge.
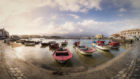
(4, 34)
(115, 35)
(130, 34)
(99, 36)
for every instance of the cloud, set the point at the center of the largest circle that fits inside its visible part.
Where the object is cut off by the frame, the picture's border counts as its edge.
(90, 27)
(74, 5)
(10, 8)
(135, 3)
(84, 27)
(122, 10)
(19, 14)
(19, 18)
(74, 16)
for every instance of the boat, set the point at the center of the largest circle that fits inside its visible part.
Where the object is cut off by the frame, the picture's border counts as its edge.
(84, 50)
(44, 44)
(29, 43)
(62, 55)
(54, 45)
(37, 42)
(52, 42)
(77, 43)
(64, 43)
(114, 44)
(101, 45)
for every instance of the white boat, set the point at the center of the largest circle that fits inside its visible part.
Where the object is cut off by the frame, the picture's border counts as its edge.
(101, 46)
(85, 50)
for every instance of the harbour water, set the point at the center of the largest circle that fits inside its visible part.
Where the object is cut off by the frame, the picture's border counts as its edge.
(42, 56)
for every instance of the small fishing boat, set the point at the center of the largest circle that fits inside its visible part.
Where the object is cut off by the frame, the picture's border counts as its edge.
(85, 50)
(37, 42)
(101, 45)
(114, 44)
(52, 42)
(54, 45)
(29, 43)
(44, 44)
(77, 43)
(62, 55)
(64, 43)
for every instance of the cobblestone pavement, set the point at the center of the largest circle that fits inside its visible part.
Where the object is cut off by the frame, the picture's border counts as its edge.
(136, 70)
(3, 69)
(7, 71)
(16, 73)
(133, 70)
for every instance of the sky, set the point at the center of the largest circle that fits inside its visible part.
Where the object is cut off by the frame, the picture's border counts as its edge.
(69, 17)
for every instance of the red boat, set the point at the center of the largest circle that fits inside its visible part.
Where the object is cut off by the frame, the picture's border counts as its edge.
(77, 43)
(62, 55)
(114, 44)
(100, 42)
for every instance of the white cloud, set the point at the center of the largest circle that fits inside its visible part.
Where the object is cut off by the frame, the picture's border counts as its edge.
(18, 14)
(18, 18)
(75, 5)
(135, 3)
(91, 27)
(10, 8)
(74, 16)
(122, 10)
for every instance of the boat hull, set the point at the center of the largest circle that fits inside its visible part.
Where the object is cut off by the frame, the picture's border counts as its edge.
(62, 56)
(114, 47)
(45, 44)
(106, 48)
(82, 52)
(29, 44)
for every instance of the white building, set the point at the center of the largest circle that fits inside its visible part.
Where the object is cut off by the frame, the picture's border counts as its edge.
(130, 34)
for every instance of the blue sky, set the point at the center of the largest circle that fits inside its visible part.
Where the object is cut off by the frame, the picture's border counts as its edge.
(69, 17)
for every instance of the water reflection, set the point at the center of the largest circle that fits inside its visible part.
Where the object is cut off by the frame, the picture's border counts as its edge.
(88, 60)
(107, 54)
(42, 56)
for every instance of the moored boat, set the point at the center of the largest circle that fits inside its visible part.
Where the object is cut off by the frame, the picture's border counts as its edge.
(64, 43)
(77, 43)
(62, 55)
(85, 50)
(114, 44)
(44, 44)
(54, 45)
(101, 45)
(29, 43)
(37, 42)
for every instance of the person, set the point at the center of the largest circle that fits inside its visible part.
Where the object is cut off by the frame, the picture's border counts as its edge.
(131, 41)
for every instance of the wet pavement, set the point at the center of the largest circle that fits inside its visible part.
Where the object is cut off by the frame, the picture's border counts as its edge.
(26, 62)
(135, 74)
